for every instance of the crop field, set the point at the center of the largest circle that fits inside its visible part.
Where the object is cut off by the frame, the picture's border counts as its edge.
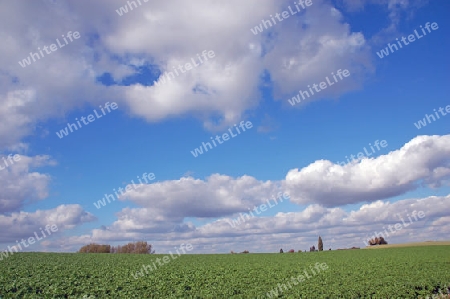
(415, 272)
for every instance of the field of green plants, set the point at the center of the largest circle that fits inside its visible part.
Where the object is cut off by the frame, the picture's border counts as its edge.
(414, 272)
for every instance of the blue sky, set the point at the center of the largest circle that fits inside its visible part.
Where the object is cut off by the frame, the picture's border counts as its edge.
(292, 149)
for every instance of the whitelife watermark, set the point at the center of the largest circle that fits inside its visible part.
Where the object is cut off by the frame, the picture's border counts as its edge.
(198, 151)
(31, 240)
(64, 132)
(124, 9)
(411, 38)
(263, 208)
(361, 155)
(323, 85)
(398, 226)
(11, 159)
(165, 259)
(296, 280)
(284, 14)
(71, 36)
(169, 75)
(422, 123)
(109, 197)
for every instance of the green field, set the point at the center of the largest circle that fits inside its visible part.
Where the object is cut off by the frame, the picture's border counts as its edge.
(391, 273)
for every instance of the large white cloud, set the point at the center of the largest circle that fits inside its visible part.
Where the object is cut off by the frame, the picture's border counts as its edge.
(425, 160)
(53, 85)
(307, 50)
(164, 34)
(216, 196)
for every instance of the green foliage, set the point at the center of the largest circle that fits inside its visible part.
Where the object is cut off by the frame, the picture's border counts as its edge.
(414, 272)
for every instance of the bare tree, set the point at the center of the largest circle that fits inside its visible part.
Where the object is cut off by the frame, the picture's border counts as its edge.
(95, 248)
(140, 247)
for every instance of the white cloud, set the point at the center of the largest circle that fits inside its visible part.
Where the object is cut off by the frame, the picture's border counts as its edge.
(216, 196)
(146, 36)
(298, 230)
(164, 206)
(307, 50)
(167, 204)
(19, 184)
(424, 160)
(25, 224)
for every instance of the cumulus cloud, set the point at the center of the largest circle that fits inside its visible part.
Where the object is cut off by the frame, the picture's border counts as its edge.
(297, 230)
(20, 184)
(216, 196)
(299, 51)
(25, 224)
(294, 229)
(163, 206)
(425, 160)
(307, 50)
(51, 86)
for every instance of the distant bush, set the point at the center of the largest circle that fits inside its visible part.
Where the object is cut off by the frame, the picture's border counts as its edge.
(377, 241)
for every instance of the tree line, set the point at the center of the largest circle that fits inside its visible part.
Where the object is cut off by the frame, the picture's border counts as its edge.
(140, 247)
